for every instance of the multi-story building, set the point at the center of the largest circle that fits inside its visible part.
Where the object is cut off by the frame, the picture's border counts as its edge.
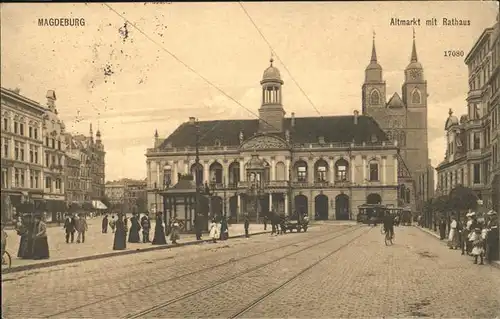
(90, 153)
(74, 192)
(32, 154)
(22, 150)
(127, 195)
(472, 155)
(404, 119)
(324, 166)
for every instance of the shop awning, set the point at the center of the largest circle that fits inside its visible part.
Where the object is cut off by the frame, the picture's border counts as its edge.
(97, 204)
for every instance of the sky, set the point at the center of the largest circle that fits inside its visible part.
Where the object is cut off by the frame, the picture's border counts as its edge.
(325, 47)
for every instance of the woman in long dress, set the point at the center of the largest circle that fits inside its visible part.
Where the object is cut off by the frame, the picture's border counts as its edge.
(224, 231)
(23, 229)
(133, 236)
(159, 236)
(453, 235)
(214, 230)
(120, 240)
(40, 242)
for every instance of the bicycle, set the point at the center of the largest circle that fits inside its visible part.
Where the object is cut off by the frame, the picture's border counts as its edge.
(388, 239)
(6, 259)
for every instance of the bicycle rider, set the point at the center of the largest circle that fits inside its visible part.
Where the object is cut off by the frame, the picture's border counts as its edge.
(4, 240)
(389, 224)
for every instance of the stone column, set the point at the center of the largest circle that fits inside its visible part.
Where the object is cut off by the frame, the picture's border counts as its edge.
(62, 186)
(332, 170)
(239, 204)
(286, 203)
(158, 183)
(364, 170)
(242, 170)
(395, 169)
(205, 172)
(310, 171)
(273, 170)
(225, 169)
(287, 168)
(186, 167)
(12, 145)
(352, 169)
(27, 178)
(384, 168)
(174, 173)
(270, 201)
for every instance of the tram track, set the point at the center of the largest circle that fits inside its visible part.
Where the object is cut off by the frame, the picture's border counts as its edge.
(217, 283)
(240, 313)
(197, 272)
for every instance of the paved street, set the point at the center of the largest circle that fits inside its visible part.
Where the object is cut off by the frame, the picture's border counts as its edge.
(357, 276)
(95, 242)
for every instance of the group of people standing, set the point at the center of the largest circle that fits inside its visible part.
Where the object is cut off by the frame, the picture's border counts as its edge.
(477, 237)
(121, 229)
(33, 242)
(78, 224)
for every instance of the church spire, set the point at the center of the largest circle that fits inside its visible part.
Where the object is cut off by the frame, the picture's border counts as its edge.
(414, 49)
(374, 52)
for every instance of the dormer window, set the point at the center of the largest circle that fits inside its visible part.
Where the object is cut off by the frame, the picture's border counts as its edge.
(217, 143)
(321, 140)
(374, 138)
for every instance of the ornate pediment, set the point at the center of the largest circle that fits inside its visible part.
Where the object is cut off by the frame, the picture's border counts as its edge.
(262, 142)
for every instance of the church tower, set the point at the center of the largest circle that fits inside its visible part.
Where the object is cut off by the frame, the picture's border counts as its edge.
(414, 93)
(374, 87)
(271, 112)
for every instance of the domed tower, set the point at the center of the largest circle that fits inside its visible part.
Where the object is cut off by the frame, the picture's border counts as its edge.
(271, 112)
(374, 87)
(414, 93)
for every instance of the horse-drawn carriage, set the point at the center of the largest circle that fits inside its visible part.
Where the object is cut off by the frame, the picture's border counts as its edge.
(297, 222)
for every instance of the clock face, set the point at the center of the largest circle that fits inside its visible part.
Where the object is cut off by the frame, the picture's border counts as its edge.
(415, 74)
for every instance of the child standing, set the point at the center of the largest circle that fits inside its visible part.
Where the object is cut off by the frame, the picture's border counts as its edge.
(477, 245)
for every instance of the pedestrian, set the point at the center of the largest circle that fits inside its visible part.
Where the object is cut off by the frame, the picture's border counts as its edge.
(40, 243)
(135, 227)
(146, 226)
(214, 230)
(442, 228)
(453, 234)
(120, 240)
(247, 225)
(492, 251)
(105, 224)
(478, 245)
(159, 236)
(81, 228)
(70, 226)
(224, 230)
(198, 228)
(174, 232)
(23, 229)
(265, 222)
(112, 224)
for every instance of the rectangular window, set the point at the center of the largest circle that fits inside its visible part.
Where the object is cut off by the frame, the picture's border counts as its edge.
(477, 140)
(30, 132)
(21, 129)
(53, 143)
(301, 174)
(37, 178)
(53, 159)
(48, 182)
(476, 173)
(21, 151)
(21, 178)
(35, 135)
(58, 145)
(6, 148)
(462, 178)
(16, 127)
(16, 177)
(46, 141)
(16, 151)
(58, 184)
(6, 124)
(47, 159)
(32, 180)
(35, 154)
(373, 172)
(4, 178)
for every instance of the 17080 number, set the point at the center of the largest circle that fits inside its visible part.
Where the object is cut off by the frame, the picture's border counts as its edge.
(454, 53)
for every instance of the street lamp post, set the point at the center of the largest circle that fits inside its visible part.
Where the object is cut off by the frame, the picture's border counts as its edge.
(156, 198)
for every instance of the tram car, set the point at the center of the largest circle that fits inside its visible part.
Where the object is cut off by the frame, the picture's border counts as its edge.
(295, 222)
(371, 213)
(406, 217)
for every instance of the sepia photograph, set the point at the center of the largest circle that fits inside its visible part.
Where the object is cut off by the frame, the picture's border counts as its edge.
(330, 159)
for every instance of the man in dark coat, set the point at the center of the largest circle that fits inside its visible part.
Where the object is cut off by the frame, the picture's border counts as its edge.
(198, 227)
(70, 227)
(442, 228)
(105, 224)
(159, 237)
(146, 226)
(247, 225)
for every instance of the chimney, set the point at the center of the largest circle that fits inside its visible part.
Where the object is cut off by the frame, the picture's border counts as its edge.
(293, 119)
(192, 120)
(356, 113)
(51, 99)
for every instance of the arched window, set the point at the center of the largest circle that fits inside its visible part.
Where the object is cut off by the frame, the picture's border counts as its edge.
(341, 167)
(216, 173)
(415, 97)
(373, 166)
(374, 98)
(321, 168)
(167, 175)
(301, 171)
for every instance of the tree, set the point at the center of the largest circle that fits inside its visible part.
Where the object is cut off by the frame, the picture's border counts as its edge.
(141, 204)
(462, 199)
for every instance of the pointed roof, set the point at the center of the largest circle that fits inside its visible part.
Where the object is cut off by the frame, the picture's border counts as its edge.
(373, 61)
(414, 64)
(395, 102)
